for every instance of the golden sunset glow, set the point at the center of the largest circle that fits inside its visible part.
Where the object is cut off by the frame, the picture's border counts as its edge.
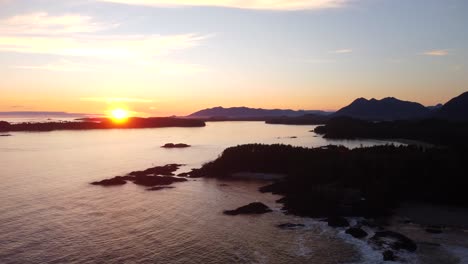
(119, 115)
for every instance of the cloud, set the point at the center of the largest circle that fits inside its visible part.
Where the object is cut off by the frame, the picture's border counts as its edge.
(436, 53)
(116, 100)
(42, 23)
(71, 36)
(61, 66)
(342, 51)
(155, 67)
(123, 47)
(279, 5)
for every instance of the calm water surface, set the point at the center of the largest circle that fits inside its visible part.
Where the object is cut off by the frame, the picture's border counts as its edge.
(49, 213)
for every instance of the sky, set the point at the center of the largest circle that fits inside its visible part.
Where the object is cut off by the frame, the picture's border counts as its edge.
(174, 57)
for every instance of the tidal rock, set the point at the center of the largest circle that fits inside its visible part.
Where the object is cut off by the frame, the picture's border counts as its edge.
(155, 176)
(388, 255)
(119, 180)
(337, 221)
(289, 226)
(156, 180)
(252, 208)
(172, 145)
(356, 232)
(166, 170)
(158, 188)
(395, 240)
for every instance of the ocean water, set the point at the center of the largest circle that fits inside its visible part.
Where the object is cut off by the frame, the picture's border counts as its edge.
(49, 213)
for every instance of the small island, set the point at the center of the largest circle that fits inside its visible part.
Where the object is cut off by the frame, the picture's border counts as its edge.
(172, 145)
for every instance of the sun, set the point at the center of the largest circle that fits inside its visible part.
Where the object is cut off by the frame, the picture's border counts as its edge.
(119, 115)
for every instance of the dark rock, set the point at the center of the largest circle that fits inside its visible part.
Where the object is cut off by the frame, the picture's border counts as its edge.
(434, 229)
(172, 145)
(395, 240)
(119, 180)
(252, 208)
(184, 174)
(337, 221)
(356, 232)
(158, 188)
(167, 170)
(289, 226)
(149, 177)
(5, 135)
(223, 185)
(388, 255)
(156, 180)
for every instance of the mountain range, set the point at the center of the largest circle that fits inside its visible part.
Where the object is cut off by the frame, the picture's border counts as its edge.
(246, 112)
(386, 109)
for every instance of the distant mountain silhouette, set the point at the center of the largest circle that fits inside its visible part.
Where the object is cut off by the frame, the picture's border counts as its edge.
(245, 112)
(435, 107)
(386, 109)
(455, 109)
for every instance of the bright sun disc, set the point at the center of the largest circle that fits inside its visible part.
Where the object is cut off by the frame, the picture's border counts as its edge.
(119, 114)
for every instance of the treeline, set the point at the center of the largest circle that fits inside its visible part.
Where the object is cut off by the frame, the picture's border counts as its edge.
(334, 180)
(102, 123)
(435, 131)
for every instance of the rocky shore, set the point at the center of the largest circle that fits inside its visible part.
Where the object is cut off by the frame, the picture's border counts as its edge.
(156, 178)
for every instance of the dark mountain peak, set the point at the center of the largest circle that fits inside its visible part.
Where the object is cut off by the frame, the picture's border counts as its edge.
(389, 108)
(455, 109)
(435, 107)
(360, 100)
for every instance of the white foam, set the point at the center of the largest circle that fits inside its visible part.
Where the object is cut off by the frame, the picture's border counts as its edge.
(369, 255)
(460, 252)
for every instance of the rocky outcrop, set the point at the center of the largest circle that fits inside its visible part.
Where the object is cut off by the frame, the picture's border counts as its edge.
(119, 180)
(158, 188)
(252, 208)
(172, 145)
(156, 176)
(356, 232)
(290, 226)
(394, 240)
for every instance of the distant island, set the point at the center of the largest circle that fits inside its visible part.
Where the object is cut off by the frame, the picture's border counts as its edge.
(102, 123)
(221, 113)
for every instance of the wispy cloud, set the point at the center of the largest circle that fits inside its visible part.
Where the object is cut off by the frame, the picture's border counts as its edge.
(279, 5)
(441, 52)
(341, 51)
(61, 66)
(72, 36)
(116, 100)
(124, 47)
(42, 23)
